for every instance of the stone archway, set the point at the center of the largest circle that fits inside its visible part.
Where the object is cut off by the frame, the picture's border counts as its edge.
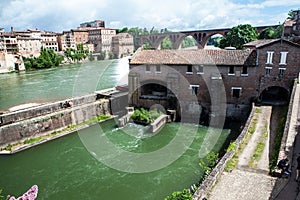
(274, 95)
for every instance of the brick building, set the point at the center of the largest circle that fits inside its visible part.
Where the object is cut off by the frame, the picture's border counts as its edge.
(205, 81)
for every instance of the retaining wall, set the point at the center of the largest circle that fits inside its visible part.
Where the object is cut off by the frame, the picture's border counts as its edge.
(50, 117)
(44, 109)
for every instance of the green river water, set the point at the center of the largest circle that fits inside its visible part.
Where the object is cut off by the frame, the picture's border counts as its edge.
(74, 166)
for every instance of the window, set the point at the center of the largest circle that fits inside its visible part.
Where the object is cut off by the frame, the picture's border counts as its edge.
(194, 89)
(244, 71)
(269, 57)
(283, 58)
(236, 92)
(147, 68)
(158, 69)
(189, 69)
(200, 69)
(268, 71)
(281, 72)
(231, 70)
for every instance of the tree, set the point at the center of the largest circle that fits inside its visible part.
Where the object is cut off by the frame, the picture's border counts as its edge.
(166, 43)
(238, 36)
(271, 33)
(291, 15)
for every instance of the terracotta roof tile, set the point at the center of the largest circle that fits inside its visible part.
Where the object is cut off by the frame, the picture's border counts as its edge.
(194, 57)
(260, 43)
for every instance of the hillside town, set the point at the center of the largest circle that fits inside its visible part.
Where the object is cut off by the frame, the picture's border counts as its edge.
(93, 36)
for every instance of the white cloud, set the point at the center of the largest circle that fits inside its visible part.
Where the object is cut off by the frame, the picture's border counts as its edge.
(59, 15)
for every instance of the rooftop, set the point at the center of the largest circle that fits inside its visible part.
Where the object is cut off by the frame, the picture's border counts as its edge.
(261, 43)
(194, 57)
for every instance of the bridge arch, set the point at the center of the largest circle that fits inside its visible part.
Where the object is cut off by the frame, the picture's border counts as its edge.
(274, 95)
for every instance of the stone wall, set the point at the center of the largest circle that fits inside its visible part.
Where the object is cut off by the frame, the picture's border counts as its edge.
(44, 109)
(49, 117)
(207, 184)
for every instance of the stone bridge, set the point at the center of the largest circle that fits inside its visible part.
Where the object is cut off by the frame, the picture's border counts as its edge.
(201, 36)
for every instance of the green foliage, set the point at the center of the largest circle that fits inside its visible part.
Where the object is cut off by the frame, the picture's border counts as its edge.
(277, 144)
(112, 55)
(136, 31)
(215, 41)
(32, 140)
(102, 55)
(103, 117)
(238, 36)
(3, 197)
(47, 59)
(188, 42)
(144, 116)
(166, 43)
(231, 147)
(271, 33)
(208, 162)
(77, 55)
(291, 15)
(180, 195)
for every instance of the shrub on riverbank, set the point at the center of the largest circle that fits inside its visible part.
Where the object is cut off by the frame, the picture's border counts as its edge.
(47, 59)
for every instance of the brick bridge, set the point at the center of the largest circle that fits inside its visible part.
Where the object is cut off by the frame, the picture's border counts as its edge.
(201, 36)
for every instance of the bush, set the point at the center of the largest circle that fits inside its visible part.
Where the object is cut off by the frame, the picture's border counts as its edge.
(144, 116)
(180, 195)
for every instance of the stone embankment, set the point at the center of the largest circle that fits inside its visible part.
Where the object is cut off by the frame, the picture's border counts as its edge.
(44, 119)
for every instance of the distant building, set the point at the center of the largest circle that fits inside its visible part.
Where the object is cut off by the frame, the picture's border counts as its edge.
(29, 46)
(292, 27)
(122, 45)
(80, 36)
(49, 41)
(102, 39)
(93, 24)
(66, 41)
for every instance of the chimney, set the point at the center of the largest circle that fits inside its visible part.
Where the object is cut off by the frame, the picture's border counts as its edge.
(12, 29)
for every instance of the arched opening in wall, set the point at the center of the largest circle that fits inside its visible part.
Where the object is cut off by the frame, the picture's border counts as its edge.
(156, 93)
(274, 95)
(213, 41)
(189, 42)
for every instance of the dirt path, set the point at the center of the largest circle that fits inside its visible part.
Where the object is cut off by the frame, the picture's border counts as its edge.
(249, 181)
(262, 125)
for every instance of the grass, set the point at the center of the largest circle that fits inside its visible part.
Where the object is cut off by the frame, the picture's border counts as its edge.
(277, 144)
(259, 148)
(233, 162)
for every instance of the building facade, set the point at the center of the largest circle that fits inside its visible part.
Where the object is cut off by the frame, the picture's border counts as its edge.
(209, 81)
(102, 39)
(66, 41)
(122, 45)
(49, 41)
(29, 47)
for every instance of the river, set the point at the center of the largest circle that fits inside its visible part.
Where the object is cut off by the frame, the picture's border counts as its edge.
(72, 167)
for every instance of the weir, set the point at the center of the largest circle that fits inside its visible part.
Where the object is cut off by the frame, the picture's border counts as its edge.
(44, 119)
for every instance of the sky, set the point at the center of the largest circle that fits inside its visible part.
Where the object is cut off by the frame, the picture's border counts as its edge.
(175, 15)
